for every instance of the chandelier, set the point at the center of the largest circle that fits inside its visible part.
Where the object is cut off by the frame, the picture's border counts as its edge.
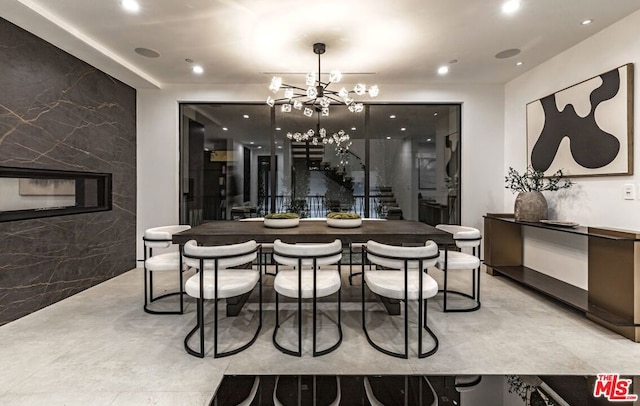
(340, 138)
(316, 98)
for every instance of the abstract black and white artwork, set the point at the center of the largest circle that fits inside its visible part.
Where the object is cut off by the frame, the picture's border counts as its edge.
(586, 129)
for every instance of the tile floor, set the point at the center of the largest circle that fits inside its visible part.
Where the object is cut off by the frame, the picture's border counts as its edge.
(99, 347)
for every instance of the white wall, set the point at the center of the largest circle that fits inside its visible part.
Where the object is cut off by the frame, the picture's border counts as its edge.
(592, 201)
(157, 147)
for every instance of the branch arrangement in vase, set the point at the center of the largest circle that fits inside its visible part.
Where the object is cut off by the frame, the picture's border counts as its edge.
(534, 181)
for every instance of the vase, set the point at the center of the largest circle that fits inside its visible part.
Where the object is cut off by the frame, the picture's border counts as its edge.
(530, 206)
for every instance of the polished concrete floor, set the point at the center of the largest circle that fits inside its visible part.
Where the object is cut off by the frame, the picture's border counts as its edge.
(100, 348)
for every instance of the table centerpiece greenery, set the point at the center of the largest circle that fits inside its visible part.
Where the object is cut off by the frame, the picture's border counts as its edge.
(281, 220)
(343, 215)
(282, 216)
(342, 219)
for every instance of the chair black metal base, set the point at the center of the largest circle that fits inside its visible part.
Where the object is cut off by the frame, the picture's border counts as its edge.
(474, 296)
(264, 261)
(404, 354)
(298, 353)
(148, 299)
(422, 319)
(200, 327)
(151, 311)
(351, 273)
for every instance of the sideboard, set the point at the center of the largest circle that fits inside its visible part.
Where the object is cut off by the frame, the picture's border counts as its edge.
(612, 298)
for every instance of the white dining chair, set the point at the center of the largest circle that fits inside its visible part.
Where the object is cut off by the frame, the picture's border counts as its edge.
(307, 281)
(160, 239)
(218, 278)
(402, 276)
(466, 238)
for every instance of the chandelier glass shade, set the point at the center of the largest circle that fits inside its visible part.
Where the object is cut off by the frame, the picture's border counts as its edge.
(317, 97)
(340, 138)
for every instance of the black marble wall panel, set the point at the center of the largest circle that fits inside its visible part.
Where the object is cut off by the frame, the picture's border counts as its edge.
(58, 112)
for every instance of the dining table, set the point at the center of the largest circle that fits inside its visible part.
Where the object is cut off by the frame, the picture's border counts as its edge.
(393, 232)
(315, 230)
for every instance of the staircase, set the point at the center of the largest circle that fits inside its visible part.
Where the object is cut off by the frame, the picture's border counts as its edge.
(386, 204)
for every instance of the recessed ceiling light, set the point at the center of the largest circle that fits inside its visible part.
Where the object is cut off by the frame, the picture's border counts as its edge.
(278, 128)
(206, 149)
(259, 146)
(403, 129)
(428, 139)
(224, 128)
(279, 146)
(443, 70)
(511, 6)
(131, 6)
(587, 21)
(519, 63)
(392, 116)
(251, 142)
(149, 53)
(435, 114)
(198, 69)
(353, 128)
(246, 116)
(388, 138)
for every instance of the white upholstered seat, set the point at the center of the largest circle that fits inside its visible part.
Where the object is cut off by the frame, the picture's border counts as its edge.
(388, 284)
(466, 238)
(215, 280)
(168, 261)
(327, 283)
(160, 238)
(327, 280)
(458, 260)
(402, 266)
(231, 283)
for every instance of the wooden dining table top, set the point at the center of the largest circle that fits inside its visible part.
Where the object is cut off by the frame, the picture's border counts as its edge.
(393, 232)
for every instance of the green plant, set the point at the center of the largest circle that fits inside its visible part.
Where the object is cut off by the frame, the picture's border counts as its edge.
(533, 180)
(282, 216)
(298, 206)
(343, 215)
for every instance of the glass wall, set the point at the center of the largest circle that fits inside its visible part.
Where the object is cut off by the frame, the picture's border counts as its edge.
(318, 177)
(244, 160)
(415, 162)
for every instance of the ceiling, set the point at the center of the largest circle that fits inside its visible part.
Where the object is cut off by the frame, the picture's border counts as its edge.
(376, 41)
